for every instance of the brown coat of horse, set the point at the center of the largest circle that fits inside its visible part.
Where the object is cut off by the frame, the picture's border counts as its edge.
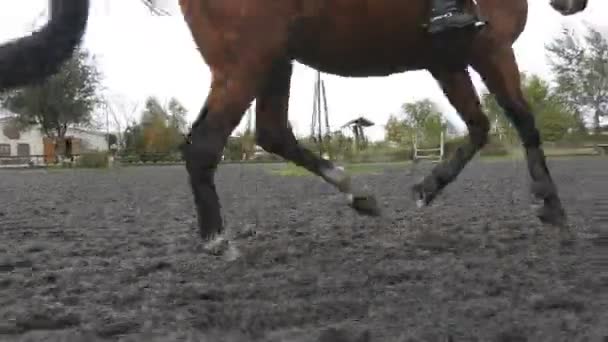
(250, 45)
(40, 55)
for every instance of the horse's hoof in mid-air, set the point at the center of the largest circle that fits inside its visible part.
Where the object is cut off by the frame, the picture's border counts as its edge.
(364, 204)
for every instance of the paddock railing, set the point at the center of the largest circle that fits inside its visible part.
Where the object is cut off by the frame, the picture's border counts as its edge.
(8, 162)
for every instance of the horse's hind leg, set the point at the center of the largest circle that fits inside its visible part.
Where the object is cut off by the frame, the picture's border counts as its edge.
(501, 75)
(229, 97)
(274, 135)
(458, 87)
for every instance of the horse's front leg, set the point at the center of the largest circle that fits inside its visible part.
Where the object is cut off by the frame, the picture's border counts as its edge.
(501, 75)
(223, 110)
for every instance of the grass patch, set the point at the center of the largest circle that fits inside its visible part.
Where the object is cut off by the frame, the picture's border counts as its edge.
(93, 160)
(570, 152)
(518, 154)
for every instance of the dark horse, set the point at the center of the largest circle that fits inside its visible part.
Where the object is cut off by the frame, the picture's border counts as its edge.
(41, 54)
(250, 45)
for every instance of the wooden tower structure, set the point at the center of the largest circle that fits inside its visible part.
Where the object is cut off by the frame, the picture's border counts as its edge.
(320, 132)
(357, 125)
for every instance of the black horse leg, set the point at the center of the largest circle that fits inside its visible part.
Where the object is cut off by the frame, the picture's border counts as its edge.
(274, 134)
(501, 75)
(223, 110)
(458, 87)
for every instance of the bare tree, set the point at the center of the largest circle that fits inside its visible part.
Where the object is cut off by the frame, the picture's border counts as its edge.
(154, 8)
(119, 113)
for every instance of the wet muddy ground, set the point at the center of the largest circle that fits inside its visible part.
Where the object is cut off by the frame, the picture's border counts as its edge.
(90, 255)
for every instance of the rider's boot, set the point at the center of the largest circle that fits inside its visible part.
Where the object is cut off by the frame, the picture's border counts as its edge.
(450, 14)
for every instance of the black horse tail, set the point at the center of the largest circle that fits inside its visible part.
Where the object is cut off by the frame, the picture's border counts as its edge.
(35, 57)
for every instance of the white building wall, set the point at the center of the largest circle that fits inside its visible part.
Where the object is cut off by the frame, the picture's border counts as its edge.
(33, 137)
(91, 141)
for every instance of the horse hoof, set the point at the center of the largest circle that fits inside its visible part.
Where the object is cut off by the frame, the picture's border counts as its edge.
(552, 216)
(364, 204)
(217, 245)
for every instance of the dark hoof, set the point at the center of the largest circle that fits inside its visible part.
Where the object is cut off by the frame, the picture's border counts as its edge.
(552, 216)
(365, 205)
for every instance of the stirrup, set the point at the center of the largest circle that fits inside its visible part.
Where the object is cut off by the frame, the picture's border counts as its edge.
(480, 23)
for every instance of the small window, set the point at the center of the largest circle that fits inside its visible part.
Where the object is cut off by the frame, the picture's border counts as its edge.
(5, 150)
(23, 150)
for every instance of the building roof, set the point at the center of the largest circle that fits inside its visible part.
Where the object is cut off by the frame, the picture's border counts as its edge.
(361, 121)
(86, 131)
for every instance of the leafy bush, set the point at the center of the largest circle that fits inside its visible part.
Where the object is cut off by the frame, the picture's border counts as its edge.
(381, 155)
(130, 159)
(494, 148)
(97, 160)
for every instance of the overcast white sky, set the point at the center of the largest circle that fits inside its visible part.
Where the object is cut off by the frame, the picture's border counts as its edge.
(142, 55)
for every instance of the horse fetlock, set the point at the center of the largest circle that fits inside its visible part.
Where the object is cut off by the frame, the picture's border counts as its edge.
(425, 192)
(210, 222)
(338, 178)
(543, 189)
(419, 196)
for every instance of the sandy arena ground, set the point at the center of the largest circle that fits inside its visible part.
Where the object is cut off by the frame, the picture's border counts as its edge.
(90, 255)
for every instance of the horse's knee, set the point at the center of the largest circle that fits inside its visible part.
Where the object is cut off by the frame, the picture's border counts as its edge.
(479, 130)
(204, 152)
(520, 114)
(271, 141)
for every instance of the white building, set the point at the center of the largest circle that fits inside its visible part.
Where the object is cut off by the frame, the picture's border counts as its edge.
(28, 146)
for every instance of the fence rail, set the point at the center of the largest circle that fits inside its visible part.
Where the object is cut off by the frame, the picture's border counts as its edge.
(34, 160)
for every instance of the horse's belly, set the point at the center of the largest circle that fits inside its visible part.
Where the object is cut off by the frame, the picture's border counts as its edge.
(360, 63)
(354, 38)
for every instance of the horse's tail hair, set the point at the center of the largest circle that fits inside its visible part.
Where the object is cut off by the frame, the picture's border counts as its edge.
(41, 54)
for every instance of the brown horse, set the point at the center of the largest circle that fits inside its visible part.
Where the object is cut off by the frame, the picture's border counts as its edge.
(250, 45)
(40, 55)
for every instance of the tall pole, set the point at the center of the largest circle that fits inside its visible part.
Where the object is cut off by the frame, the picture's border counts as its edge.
(327, 129)
(313, 124)
(319, 116)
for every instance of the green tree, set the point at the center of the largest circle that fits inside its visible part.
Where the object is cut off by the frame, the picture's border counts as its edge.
(553, 118)
(581, 74)
(65, 99)
(396, 130)
(177, 115)
(423, 119)
(247, 138)
(160, 129)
